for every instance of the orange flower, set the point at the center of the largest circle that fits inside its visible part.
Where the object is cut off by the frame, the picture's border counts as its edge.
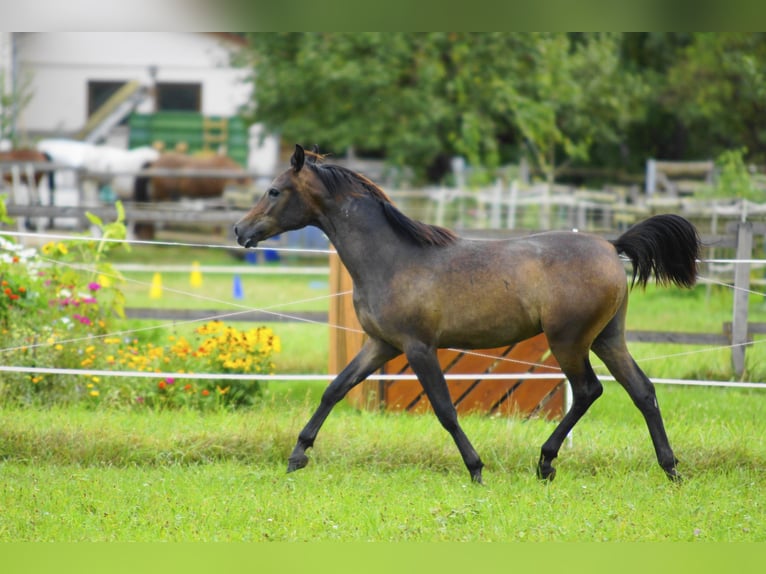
(205, 392)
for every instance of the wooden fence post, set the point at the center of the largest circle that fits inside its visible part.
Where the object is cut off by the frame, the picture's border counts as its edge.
(346, 336)
(739, 335)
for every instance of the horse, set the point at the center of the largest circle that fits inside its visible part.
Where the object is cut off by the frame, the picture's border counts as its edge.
(419, 287)
(104, 165)
(164, 188)
(27, 155)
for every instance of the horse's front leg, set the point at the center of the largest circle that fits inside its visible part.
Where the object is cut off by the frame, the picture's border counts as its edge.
(425, 365)
(372, 356)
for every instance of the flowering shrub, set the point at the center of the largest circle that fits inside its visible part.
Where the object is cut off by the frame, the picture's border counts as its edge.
(210, 348)
(41, 306)
(60, 307)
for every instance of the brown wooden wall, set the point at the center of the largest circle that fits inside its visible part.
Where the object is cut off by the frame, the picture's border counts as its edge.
(517, 397)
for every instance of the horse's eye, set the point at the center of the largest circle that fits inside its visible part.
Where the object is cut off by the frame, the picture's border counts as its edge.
(273, 192)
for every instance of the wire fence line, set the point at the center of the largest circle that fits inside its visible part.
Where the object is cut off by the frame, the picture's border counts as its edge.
(330, 377)
(271, 310)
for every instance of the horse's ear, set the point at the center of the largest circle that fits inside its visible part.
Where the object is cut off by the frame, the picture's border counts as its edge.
(314, 154)
(298, 158)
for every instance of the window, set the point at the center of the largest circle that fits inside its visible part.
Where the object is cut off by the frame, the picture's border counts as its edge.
(178, 97)
(99, 93)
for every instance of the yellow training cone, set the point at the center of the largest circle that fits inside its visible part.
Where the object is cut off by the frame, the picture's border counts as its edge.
(196, 275)
(156, 291)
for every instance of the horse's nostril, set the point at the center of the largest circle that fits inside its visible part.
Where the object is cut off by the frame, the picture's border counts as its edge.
(236, 230)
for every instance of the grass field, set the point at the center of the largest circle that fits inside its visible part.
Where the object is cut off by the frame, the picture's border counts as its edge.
(121, 475)
(75, 475)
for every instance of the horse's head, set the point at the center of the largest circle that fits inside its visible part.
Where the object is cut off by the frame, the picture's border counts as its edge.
(291, 202)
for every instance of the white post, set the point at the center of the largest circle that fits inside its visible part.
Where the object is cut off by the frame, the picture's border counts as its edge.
(651, 177)
(511, 222)
(739, 337)
(494, 214)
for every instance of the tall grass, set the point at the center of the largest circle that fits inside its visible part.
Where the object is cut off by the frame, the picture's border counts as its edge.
(70, 474)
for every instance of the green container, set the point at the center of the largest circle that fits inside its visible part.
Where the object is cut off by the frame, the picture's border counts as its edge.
(173, 128)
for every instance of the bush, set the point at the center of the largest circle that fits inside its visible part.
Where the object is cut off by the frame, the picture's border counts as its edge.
(60, 307)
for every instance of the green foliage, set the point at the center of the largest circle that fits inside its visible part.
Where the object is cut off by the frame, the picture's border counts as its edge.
(417, 98)
(734, 179)
(60, 307)
(12, 102)
(717, 87)
(586, 99)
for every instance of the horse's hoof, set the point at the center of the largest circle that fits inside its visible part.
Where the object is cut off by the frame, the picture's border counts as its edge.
(546, 474)
(673, 476)
(297, 462)
(476, 477)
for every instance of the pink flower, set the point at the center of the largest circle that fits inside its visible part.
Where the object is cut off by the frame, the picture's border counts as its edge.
(82, 319)
(94, 286)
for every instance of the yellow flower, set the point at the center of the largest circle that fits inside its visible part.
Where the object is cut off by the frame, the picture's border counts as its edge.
(94, 393)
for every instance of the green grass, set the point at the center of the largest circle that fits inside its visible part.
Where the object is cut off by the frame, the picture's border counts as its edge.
(75, 475)
(277, 292)
(699, 310)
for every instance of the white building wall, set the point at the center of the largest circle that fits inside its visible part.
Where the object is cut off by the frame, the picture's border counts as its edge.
(61, 64)
(7, 76)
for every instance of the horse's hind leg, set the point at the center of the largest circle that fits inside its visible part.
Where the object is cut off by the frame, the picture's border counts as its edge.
(425, 365)
(372, 356)
(610, 347)
(586, 388)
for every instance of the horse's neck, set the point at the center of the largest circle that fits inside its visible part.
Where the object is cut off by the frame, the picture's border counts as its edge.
(367, 244)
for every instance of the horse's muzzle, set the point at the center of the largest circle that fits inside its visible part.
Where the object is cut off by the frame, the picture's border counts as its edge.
(247, 242)
(243, 239)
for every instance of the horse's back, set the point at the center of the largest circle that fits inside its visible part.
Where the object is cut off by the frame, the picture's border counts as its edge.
(576, 280)
(489, 293)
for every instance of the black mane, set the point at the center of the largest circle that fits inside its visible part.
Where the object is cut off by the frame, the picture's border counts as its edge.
(339, 180)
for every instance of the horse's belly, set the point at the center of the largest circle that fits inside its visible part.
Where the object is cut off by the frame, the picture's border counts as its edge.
(477, 331)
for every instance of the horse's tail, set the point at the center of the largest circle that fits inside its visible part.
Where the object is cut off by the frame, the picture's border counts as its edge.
(666, 246)
(141, 186)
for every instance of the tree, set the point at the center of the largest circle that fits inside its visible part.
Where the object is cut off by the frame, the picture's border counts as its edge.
(13, 99)
(717, 87)
(417, 99)
(575, 93)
